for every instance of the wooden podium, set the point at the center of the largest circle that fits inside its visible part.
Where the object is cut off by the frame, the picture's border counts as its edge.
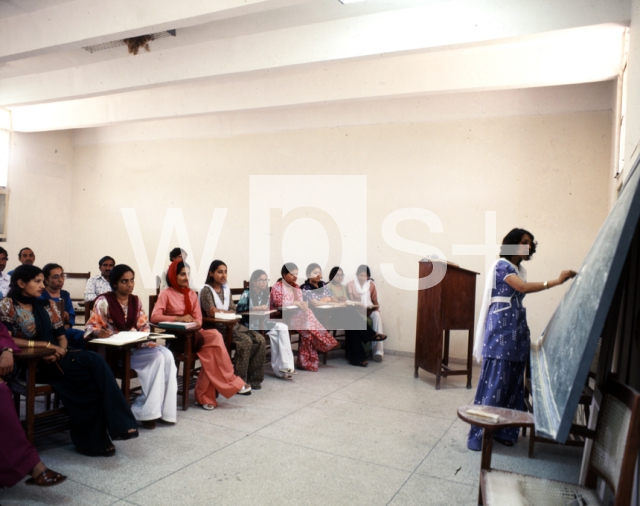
(449, 305)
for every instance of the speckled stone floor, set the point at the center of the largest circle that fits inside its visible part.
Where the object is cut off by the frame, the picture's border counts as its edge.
(344, 435)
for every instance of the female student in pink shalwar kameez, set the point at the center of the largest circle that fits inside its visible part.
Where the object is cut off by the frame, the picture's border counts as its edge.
(179, 303)
(313, 336)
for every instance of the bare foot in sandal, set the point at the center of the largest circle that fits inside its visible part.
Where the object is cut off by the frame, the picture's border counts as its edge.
(43, 477)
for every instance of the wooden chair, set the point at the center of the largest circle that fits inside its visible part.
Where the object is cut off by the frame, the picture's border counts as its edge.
(612, 458)
(24, 384)
(183, 352)
(78, 275)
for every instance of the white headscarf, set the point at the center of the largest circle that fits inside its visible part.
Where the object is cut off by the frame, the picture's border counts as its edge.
(486, 302)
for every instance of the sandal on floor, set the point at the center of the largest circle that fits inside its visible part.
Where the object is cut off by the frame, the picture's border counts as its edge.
(207, 407)
(286, 375)
(504, 442)
(380, 337)
(46, 478)
(245, 390)
(364, 363)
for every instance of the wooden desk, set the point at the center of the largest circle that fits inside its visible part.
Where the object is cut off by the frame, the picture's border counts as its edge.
(186, 354)
(507, 418)
(229, 324)
(124, 373)
(30, 357)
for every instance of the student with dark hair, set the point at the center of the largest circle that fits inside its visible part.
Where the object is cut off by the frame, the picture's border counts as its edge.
(119, 310)
(54, 277)
(256, 298)
(18, 457)
(5, 277)
(99, 283)
(336, 284)
(98, 411)
(179, 303)
(363, 290)
(215, 297)
(502, 336)
(175, 254)
(313, 336)
(26, 256)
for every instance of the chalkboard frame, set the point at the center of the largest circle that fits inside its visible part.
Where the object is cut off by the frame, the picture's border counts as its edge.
(561, 358)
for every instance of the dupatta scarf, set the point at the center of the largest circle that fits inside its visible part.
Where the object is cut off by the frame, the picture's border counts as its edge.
(172, 274)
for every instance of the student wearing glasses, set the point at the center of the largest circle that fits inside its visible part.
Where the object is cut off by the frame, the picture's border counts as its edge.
(54, 278)
(256, 298)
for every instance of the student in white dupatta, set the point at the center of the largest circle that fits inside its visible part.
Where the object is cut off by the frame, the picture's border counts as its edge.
(215, 297)
(363, 290)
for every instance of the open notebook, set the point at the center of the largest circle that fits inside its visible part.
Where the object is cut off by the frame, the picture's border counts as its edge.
(130, 337)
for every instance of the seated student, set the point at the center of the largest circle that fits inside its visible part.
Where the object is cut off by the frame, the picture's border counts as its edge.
(99, 284)
(120, 310)
(313, 336)
(256, 298)
(175, 254)
(54, 277)
(98, 412)
(337, 289)
(363, 290)
(5, 278)
(357, 332)
(215, 297)
(18, 457)
(26, 256)
(179, 303)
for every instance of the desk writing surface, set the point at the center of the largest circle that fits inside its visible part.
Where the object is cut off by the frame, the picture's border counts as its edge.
(561, 358)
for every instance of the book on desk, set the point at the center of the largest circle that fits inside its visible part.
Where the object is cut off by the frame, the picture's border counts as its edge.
(122, 338)
(177, 325)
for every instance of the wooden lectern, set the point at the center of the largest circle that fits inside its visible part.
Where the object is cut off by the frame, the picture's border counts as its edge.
(449, 305)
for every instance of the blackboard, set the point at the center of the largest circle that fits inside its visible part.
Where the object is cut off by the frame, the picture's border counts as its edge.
(560, 360)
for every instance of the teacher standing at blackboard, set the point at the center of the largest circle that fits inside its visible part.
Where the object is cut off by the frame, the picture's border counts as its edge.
(502, 335)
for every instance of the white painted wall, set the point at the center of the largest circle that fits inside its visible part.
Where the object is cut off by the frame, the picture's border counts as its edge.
(39, 216)
(547, 173)
(632, 138)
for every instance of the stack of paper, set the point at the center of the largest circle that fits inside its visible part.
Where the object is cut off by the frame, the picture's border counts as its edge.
(227, 316)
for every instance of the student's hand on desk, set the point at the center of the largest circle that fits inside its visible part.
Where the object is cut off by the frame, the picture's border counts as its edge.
(212, 311)
(6, 363)
(104, 333)
(149, 344)
(188, 318)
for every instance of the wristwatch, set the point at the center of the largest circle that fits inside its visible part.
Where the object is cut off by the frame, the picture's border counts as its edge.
(6, 349)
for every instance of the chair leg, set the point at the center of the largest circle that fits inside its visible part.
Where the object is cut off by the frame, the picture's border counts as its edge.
(47, 401)
(532, 441)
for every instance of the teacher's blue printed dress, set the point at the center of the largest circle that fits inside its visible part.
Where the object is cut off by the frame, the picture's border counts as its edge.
(505, 352)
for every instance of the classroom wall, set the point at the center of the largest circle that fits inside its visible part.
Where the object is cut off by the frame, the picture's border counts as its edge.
(39, 213)
(632, 136)
(547, 173)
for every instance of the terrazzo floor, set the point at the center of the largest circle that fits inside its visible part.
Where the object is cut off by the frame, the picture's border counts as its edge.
(344, 435)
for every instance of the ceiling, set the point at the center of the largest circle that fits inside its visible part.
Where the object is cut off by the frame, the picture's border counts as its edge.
(234, 56)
